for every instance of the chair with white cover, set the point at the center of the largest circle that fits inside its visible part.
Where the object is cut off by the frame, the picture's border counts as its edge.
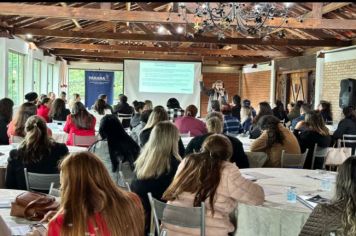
(189, 217)
(293, 160)
(83, 141)
(319, 157)
(40, 182)
(55, 192)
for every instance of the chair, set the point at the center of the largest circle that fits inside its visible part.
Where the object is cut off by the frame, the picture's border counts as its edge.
(55, 192)
(190, 217)
(349, 140)
(319, 157)
(293, 160)
(256, 159)
(83, 141)
(40, 181)
(123, 183)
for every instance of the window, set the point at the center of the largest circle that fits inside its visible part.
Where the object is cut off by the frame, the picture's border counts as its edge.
(15, 76)
(50, 78)
(76, 83)
(37, 76)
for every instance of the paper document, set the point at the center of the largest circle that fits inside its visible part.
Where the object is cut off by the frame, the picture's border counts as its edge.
(20, 230)
(257, 175)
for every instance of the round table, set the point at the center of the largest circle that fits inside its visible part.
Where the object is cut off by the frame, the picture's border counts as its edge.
(276, 216)
(246, 142)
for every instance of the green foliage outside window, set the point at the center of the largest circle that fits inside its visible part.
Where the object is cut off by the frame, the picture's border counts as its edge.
(15, 77)
(37, 76)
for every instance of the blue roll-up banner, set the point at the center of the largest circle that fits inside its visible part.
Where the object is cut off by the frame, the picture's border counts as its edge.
(96, 83)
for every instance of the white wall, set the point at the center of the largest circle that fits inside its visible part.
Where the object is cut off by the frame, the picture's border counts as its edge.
(21, 46)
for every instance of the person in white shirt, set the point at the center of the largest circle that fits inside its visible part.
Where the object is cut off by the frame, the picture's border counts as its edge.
(99, 111)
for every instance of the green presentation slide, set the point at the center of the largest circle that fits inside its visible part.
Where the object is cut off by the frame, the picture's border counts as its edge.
(166, 77)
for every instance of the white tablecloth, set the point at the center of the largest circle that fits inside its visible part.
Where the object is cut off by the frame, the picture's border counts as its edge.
(276, 216)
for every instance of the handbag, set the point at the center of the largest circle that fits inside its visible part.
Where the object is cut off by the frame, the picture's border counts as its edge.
(337, 156)
(33, 206)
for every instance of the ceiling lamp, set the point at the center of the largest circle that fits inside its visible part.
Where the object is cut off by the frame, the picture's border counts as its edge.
(248, 18)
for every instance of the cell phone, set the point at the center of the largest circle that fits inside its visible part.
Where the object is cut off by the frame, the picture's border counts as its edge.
(38, 229)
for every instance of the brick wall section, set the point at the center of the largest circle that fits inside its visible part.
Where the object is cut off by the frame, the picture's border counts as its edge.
(256, 87)
(231, 83)
(334, 72)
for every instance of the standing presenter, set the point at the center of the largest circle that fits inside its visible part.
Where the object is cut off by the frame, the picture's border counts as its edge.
(217, 92)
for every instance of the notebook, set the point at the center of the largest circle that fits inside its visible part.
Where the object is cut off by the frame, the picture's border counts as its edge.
(311, 201)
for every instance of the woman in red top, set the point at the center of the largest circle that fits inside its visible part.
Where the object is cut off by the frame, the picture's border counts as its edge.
(43, 108)
(92, 204)
(80, 123)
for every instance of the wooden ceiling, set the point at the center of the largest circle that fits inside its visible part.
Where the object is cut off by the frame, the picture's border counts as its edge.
(113, 31)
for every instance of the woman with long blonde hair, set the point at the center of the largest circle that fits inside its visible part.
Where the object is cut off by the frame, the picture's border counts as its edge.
(339, 216)
(157, 163)
(91, 203)
(209, 177)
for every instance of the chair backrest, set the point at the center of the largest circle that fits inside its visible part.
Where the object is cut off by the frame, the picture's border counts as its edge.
(319, 157)
(40, 181)
(256, 159)
(55, 192)
(293, 160)
(123, 183)
(189, 217)
(83, 141)
(349, 140)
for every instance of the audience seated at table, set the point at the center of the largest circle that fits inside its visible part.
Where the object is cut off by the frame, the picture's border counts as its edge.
(51, 95)
(43, 109)
(75, 98)
(264, 109)
(246, 118)
(309, 132)
(124, 108)
(215, 126)
(236, 106)
(231, 123)
(58, 111)
(280, 112)
(135, 120)
(295, 112)
(38, 153)
(99, 110)
(115, 146)
(148, 105)
(215, 106)
(157, 164)
(135, 132)
(63, 96)
(337, 217)
(32, 97)
(6, 105)
(158, 114)
(91, 203)
(209, 176)
(325, 111)
(189, 124)
(80, 123)
(274, 138)
(173, 109)
(347, 125)
(290, 107)
(107, 106)
(304, 108)
(247, 103)
(16, 128)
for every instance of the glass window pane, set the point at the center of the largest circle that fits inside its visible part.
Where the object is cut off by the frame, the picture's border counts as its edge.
(50, 78)
(15, 76)
(76, 83)
(118, 85)
(37, 76)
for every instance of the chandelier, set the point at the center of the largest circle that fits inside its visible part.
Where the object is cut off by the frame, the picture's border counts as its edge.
(248, 18)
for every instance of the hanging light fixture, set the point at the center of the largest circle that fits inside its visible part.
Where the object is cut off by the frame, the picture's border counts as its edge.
(250, 18)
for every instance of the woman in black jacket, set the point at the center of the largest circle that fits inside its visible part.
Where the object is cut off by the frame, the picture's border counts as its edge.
(309, 132)
(38, 153)
(6, 105)
(58, 111)
(346, 125)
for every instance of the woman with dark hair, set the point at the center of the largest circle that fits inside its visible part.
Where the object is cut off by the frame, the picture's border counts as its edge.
(58, 111)
(189, 124)
(309, 132)
(38, 153)
(135, 120)
(337, 217)
(43, 108)
(209, 177)
(135, 132)
(280, 112)
(6, 105)
(274, 138)
(264, 109)
(100, 110)
(115, 146)
(325, 111)
(173, 109)
(346, 125)
(80, 122)
(236, 106)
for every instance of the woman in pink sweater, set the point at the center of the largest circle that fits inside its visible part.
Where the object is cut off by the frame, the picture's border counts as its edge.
(209, 177)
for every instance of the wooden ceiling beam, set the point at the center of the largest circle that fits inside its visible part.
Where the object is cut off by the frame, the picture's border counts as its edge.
(202, 51)
(177, 38)
(154, 17)
(152, 56)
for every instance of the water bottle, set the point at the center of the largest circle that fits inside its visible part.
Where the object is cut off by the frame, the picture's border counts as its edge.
(291, 194)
